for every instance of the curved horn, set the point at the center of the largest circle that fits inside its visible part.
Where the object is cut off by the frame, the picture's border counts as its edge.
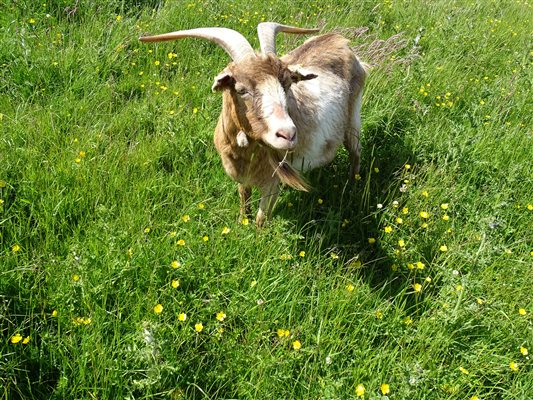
(267, 34)
(232, 41)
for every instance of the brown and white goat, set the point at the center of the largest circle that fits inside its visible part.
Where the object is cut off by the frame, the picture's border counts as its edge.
(282, 115)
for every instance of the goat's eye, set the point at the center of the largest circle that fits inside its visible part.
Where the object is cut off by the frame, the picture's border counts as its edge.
(243, 92)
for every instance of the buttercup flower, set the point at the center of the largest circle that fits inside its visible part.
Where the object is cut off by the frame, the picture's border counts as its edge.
(385, 388)
(360, 390)
(16, 338)
(296, 345)
(158, 309)
(182, 317)
(221, 316)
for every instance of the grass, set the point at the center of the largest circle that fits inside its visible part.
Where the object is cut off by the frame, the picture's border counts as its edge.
(108, 175)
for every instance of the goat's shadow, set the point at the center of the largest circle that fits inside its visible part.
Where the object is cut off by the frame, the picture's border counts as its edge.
(339, 215)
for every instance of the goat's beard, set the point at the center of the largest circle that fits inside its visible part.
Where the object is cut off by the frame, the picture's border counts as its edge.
(285, 172)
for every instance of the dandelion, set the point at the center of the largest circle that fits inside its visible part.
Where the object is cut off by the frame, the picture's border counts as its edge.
(301, 253)
(360, 390)
(75, 277)
(175, 283)
(16, 338)
(221, 316)
(199, 327)
(385, 388)
(513, 366)
(401, 243)
(444, 206)
(182, 317)
(15, 248)
(245, 221)
(417, 287)
(424, 214)
(388, 229)
(296, 345)
(371, 240)
(350, 287)
(443, 248)
(180, 242)
(524, 351)
(186, 218)
(522, 311)
(464, 370)
(226, 230)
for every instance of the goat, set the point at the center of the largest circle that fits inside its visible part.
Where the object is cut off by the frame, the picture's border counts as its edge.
(282, 115)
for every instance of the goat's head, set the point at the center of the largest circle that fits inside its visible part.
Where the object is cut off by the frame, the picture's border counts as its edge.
(257, 82)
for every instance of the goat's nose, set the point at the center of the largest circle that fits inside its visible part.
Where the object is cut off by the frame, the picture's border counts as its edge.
(287, 133)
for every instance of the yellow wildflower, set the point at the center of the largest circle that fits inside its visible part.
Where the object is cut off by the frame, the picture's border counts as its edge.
(296, 345)
(464, 370)
(147, 230)
(399, 220)
(226, 230)
(205, 238)
(407, 320)
(175, 283)
(385, 388)
(444, 206)
(379, 314)
(156, 62)
(301, 253)
(424, 225)
(186, 218)
(513, 366)
(180, 242)
(245, 221)
(376, 170)
(407, 166)
(388, 229)
(175, 264)
(522, 311)
(334, 256)
(425, 193)
(15, 248)
(420, 265)
(26, 340)
(173, 234)
(320, 201)
(199, 327)
(283, 333)
(459, 287)
(158, 309)
(417, 287)
(530, 207)
(118, 18)
(182, 317)
(524, 351)
(16, 338)
(443, 248)
(54, 313)
(201, 206)
(350, 287)
(405, 210)
(357, 177)
(221, 316)
(424, 214)
(445, 217)
(371, 240)
(401, 243)
(360, 390)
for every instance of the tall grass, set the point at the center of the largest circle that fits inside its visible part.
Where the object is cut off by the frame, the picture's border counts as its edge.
(125, 274)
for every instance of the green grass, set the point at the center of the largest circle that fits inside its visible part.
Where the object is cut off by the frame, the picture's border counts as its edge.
(103, 152)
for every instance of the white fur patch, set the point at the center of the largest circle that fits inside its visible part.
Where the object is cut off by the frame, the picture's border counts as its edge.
(242, 139)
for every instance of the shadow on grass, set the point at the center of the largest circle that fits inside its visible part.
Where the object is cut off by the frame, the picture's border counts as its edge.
(340, 216)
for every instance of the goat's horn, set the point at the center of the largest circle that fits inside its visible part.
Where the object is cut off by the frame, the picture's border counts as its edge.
(232, 41)
(267, 34)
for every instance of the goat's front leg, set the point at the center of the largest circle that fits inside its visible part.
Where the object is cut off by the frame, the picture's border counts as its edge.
(246, 208)
(269, 196)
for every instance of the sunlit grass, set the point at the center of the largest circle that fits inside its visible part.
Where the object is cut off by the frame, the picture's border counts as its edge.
(125, 273)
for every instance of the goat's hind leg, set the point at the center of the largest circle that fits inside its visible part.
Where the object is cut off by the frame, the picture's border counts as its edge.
(245, 194)
(352, 140)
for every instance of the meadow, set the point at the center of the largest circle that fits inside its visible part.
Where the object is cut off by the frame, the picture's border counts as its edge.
(126, 274)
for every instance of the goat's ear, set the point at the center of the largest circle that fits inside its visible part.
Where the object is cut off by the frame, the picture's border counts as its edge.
(223, 80)
(298, 73)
